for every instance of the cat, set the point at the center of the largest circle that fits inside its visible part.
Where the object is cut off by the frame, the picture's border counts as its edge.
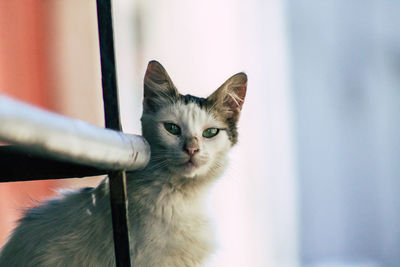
(190, 138)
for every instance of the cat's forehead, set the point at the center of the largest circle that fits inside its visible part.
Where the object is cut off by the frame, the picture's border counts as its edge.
(190, 114)
(193, 99)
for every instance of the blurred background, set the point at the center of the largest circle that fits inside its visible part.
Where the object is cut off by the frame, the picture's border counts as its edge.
(314, 180)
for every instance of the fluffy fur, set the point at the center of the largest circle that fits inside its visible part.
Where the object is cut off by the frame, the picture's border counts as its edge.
(168, 226)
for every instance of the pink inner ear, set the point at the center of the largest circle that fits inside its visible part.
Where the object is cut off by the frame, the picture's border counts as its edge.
(241, 93)
(235, 99)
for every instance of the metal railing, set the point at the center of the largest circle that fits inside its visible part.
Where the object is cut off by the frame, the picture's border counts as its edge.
(45, 145)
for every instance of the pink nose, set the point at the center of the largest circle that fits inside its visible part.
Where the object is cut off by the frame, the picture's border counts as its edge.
(191, 150)
(191, 145)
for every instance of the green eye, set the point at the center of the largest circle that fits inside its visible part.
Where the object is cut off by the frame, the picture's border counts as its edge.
(210, 132)
(172, 128)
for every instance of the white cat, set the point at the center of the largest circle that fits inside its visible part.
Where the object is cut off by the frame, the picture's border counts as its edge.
(190, 138)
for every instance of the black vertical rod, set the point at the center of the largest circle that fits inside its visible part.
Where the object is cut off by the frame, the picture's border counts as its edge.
(118, 194)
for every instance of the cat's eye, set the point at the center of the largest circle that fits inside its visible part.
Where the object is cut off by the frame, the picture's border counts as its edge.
(172, 128)
(210, 132)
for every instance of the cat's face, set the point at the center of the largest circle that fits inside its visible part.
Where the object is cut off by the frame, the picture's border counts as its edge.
(190, 136)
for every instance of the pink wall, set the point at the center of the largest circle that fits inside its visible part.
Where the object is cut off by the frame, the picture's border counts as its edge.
(24, 74)
(49, 57)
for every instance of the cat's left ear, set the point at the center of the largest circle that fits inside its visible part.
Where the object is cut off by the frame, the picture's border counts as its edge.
(229, 97)
(158, 87)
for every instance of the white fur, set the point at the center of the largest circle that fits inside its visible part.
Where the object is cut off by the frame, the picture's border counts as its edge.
(193, 121)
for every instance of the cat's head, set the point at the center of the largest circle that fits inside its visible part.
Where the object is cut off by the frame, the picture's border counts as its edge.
(188, 135)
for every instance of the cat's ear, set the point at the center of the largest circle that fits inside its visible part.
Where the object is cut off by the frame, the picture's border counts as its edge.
(229, 97)
(158, 87)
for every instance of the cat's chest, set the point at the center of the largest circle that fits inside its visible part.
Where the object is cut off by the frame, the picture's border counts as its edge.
(175, 229)
(170, 219)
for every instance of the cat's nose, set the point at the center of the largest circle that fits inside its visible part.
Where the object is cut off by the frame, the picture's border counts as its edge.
(191, 146)
(191, 150)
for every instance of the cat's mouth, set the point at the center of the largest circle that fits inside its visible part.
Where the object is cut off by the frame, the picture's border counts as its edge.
(190, 164)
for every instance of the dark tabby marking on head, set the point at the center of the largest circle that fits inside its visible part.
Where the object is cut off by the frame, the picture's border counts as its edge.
(193, 99)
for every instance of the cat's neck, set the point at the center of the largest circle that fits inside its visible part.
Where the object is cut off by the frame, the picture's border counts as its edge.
(152, 182)
(157, 180)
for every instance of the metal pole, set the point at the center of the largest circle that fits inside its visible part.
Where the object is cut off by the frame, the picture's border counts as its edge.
(40, 132)
(118, 193)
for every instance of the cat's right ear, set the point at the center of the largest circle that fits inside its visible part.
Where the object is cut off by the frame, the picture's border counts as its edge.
(158, 87)
(229, 97)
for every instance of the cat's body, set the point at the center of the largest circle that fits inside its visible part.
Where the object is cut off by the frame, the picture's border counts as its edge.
(189, 138)
(167, 228)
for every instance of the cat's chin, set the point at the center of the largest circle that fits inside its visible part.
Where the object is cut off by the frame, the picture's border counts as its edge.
(189, 166)
(189, 169)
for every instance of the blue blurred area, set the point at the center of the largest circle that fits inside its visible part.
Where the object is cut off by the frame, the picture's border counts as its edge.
(345, 80)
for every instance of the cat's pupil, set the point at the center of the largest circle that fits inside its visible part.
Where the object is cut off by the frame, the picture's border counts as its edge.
(172, 128)
(210, 132)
